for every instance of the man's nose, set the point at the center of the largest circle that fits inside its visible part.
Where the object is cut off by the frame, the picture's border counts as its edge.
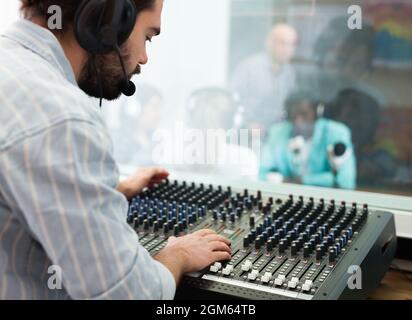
(143, 58)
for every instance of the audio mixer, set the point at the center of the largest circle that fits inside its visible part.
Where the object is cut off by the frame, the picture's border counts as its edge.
(283, 247)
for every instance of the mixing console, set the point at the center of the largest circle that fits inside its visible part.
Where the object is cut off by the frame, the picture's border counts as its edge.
(282, 246)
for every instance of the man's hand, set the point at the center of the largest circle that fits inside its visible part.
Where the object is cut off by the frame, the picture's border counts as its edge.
(194, 252)
(143, 178)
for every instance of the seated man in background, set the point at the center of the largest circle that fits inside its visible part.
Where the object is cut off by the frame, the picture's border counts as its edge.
(265, 79)
(309, 149)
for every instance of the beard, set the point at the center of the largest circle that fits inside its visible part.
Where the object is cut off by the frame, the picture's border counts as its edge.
(108, 68)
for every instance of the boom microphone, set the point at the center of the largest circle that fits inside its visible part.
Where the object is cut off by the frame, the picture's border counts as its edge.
(128, 88)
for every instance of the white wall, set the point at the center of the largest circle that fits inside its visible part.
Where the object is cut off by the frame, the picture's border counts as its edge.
(8, 12)
(192, 50)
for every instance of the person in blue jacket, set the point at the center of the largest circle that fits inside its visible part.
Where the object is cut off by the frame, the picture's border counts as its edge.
(309, 149)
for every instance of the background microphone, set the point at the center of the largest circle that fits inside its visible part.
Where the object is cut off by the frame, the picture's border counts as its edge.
(128, 88)
(339, 154)
(339, 149)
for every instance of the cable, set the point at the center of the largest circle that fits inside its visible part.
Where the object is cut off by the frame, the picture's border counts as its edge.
(99, 79)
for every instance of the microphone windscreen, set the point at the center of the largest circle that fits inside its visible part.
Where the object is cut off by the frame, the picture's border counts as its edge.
(128, 89)
(339, 149)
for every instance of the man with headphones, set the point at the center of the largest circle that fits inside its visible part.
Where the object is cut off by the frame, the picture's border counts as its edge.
(309, 149)
(63, 230)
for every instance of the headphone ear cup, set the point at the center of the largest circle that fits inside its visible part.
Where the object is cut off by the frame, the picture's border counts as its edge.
(126, 22)
(98, 36)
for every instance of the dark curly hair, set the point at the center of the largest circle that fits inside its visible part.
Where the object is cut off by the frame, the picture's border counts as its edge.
(38, 8)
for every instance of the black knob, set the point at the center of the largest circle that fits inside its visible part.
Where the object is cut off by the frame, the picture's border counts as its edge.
(146, 224)
(215, 214)
(319, 254)
(249, 205)
(337, 246)
(223, 216)
(282, 247)
(258, 243)
(252, 220)
(232, 217)
(165, 227)
(253, 233)
(275, 239)
(293, 249)
(269, 245)
(306, 251)
(176, 230)
(289, 239)
(332, 255)
(246, 241)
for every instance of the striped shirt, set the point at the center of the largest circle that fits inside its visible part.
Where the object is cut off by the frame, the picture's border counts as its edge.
(61, 217)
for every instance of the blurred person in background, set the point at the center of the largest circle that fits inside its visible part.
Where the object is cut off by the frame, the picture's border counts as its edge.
(211, 109)
(309, 149)
(345, 60)
(361, 113)
(136, 118)
(265, 79)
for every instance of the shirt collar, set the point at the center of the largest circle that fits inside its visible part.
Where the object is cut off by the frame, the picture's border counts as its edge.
(43, 43)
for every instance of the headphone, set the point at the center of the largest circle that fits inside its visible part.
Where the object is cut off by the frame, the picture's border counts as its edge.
(227, 118)
(101, 27)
